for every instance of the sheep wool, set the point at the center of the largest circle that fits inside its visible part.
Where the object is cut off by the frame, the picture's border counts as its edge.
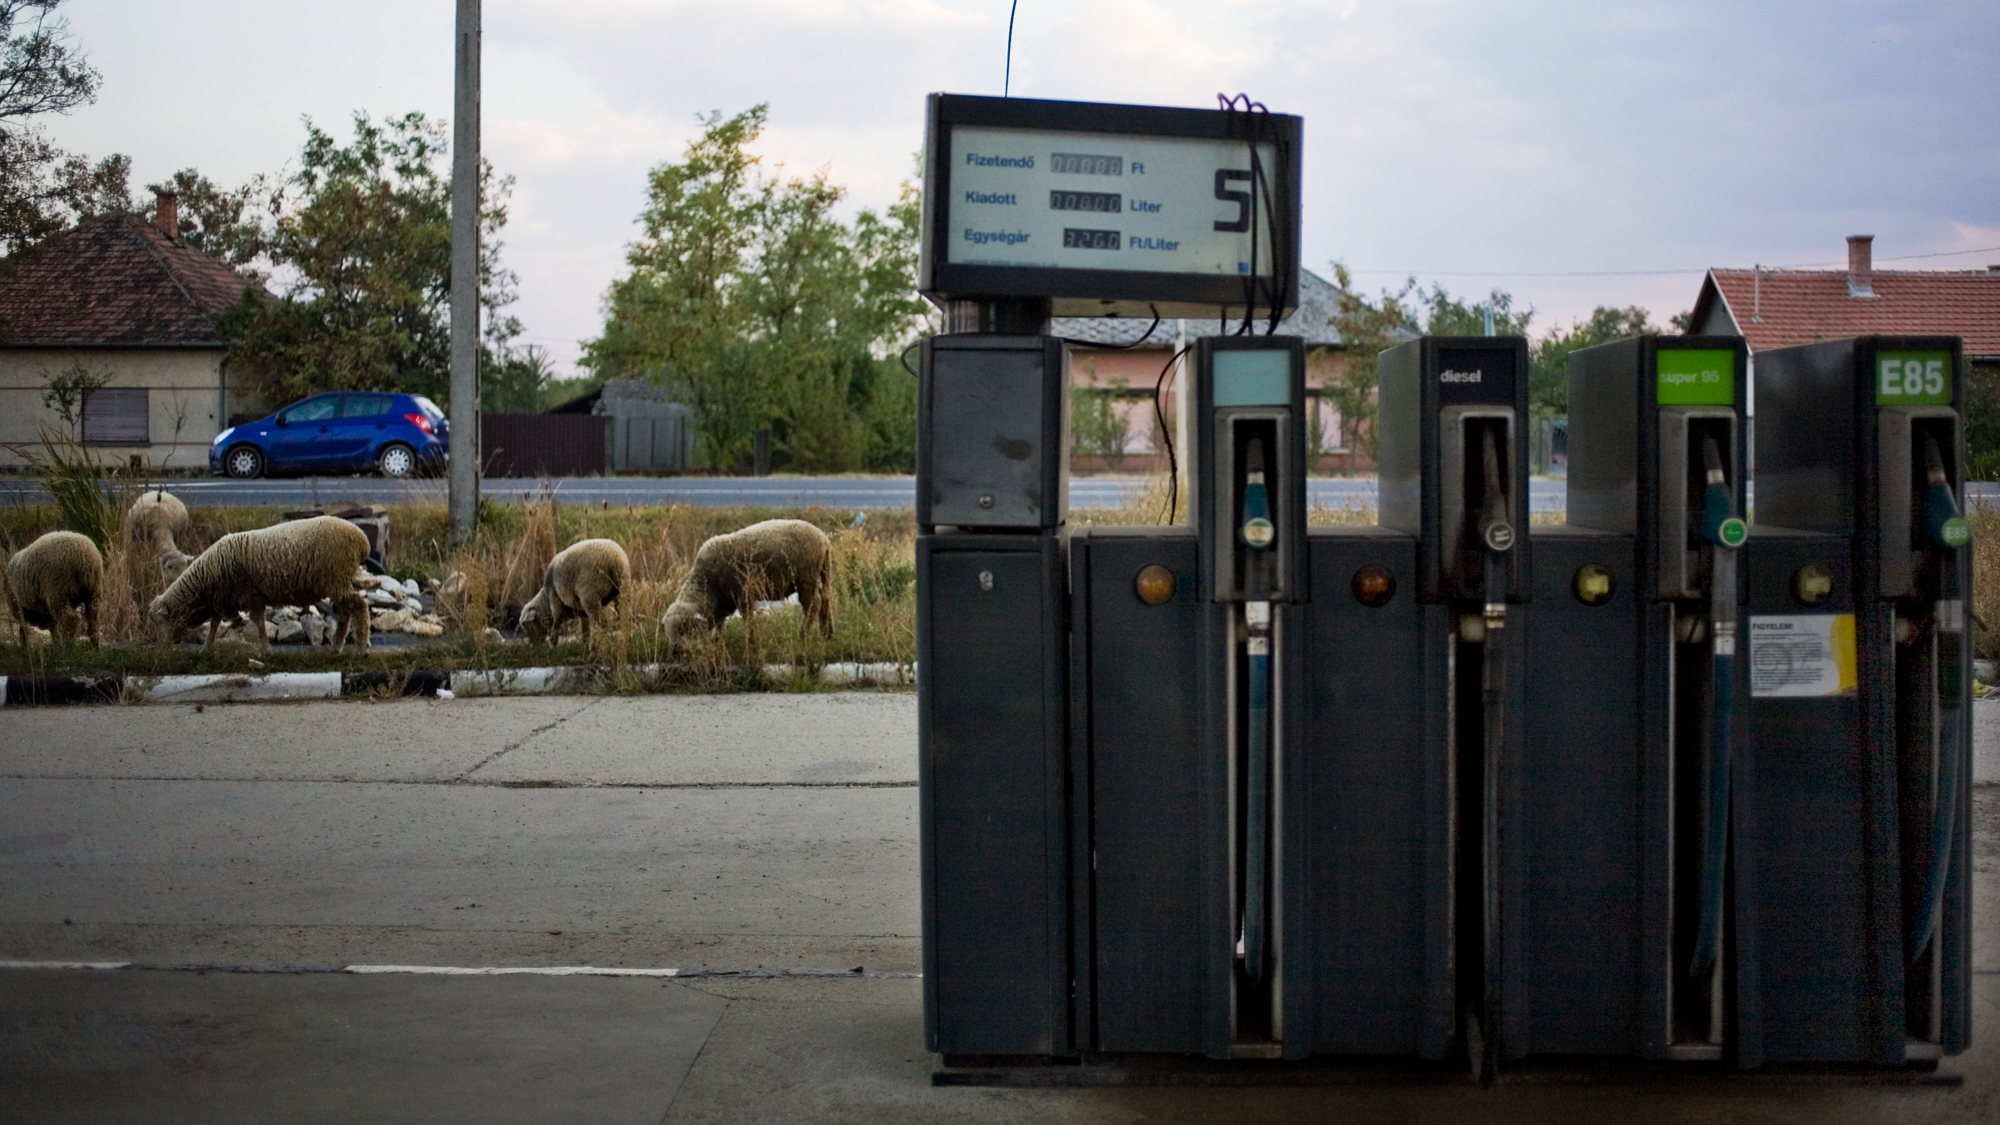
(154, 519)
(295, 563)
(583, 580)
(765, 561)
(47, 580)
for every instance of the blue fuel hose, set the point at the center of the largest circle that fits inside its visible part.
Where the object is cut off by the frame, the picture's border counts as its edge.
(1254, 826)
(1258, 533)
(1948, 532)
(1724, 533)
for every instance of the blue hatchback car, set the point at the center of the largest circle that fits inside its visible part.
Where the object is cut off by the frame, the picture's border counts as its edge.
(397, 435)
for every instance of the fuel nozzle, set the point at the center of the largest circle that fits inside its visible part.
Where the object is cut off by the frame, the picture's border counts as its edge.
(1496, 532)
(1942, 521)
(1719, 523)
(1258, 531)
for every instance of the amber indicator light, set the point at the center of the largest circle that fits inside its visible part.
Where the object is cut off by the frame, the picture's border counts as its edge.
(1374, 585)
(1593, 585)
(1154, 584)
(1813, 584)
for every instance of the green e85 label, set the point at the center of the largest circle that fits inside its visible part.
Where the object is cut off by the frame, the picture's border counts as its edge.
(1913, 378)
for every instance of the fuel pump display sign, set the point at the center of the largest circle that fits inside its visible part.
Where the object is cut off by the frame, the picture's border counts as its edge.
(1913, 378)
(1110, 209)
(1026, 197)
(1697, 377)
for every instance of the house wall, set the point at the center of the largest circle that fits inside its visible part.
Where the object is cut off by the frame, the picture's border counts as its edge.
(1140, 369)
(185, 385)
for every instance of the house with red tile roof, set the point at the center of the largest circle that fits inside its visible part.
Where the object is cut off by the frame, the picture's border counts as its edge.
(123, 297)
(1777, 308)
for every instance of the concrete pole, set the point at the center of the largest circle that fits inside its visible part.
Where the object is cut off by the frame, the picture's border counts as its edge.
(465, 452)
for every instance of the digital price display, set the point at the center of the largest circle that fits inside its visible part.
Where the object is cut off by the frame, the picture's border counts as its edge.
(1109, 208)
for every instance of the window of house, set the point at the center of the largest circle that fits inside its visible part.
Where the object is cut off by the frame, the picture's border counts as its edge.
(117, 416)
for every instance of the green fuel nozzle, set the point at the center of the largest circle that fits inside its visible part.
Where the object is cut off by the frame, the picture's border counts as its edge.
(1942, 519)
(1719, 522)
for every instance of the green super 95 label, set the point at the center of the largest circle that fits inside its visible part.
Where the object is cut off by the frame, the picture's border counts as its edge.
(1913, 378)
(1697, 377)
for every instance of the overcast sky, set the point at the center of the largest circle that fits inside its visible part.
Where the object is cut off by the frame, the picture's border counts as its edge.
(1442, 138)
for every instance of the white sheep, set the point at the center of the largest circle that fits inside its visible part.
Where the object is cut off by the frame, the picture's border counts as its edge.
(765, 561)
(583, 580)
(56, 575)
(295, 563)
(151, 524)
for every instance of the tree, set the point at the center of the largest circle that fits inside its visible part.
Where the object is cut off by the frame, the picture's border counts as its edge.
(1446, 315)
(518, 383)
(363, 231)
(751, 301)
(1367, 328)
(43, 189)
(1548, 369)
(68, 389)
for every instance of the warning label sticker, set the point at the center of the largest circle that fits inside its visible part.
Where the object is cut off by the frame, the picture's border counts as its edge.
(1803, 655)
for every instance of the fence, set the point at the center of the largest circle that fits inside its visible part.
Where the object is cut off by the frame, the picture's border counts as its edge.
(544, 445)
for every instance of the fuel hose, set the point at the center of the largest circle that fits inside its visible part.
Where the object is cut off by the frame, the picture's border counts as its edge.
(1258, 532)
(1724, 532)
(1497, 536)
(1947, 532)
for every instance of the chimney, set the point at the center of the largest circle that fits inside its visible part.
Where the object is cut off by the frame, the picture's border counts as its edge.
(1860, 265)
(168, 215)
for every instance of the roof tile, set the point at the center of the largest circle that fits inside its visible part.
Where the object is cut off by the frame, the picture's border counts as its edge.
(1780, 308)
(118, 281)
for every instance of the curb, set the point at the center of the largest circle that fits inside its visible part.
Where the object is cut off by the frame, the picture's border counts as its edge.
(41, 691)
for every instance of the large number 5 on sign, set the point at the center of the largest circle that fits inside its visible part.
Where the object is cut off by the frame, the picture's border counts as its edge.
(1223, 176)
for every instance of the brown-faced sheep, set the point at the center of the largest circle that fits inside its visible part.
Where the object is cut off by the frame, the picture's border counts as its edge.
(765, 561)
(295, 563)
(47, 580)
(583, 580)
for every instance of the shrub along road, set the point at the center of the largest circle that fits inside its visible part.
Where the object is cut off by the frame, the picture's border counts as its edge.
(710, 833)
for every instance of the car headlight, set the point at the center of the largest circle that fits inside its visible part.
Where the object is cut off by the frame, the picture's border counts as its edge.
(223, 436)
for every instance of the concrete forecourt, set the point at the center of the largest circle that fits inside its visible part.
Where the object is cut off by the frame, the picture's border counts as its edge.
(735, 839)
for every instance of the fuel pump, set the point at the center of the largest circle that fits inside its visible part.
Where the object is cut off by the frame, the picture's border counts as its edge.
(1862, 948)
(1248, 468)
(1453, 471)
(1656, 453)
(992, 484)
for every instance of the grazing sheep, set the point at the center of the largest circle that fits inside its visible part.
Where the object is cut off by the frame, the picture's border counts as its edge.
(581, 581)
(295, 563)
(154, 519)
(769, 560)
(48, 579)
(151, 524)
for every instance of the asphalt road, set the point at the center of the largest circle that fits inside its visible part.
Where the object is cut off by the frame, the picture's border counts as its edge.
(726, 833)
(786, 492)
(830, 492)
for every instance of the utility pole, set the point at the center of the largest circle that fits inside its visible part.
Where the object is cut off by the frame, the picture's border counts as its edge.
(465, 452)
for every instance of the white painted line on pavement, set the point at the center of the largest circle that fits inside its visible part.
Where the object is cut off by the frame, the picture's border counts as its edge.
(511, 971)
(463, 970)
(64, 964)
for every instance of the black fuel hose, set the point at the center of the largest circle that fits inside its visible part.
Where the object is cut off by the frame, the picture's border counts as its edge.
(1497, 537)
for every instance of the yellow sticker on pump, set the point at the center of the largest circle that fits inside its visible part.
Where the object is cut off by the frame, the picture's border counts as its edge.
(1802, 655)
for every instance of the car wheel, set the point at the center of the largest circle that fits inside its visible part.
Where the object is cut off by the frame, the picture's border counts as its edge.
(397, 460)
(243, 462)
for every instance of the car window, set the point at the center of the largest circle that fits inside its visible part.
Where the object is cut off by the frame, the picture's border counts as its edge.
(312, 409)
(365, 406)
(428, 407)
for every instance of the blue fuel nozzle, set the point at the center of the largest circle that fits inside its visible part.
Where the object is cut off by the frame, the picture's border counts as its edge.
(1942, 520)
(1258, 530)
(1720, 524)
